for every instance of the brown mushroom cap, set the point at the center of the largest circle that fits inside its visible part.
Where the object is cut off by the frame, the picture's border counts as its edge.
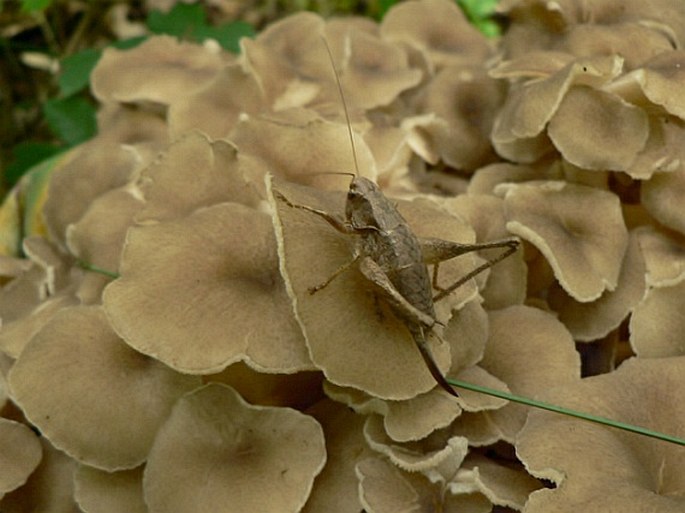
(76, 380)
(579, 229)
(597, 130)
(335, 488)
(662, 197)
(218, 453)
(97, 491)
(198, 301)
(49, 489)
(592, 321)
(160, 70)
(437, 28)
(657, 324)
(384, 488)
(537, 355)
(20, 453)
(609, 469)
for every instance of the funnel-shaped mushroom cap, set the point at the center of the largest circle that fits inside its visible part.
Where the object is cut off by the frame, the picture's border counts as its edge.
(20, 453)
(204, 291)
(383, 488)
(592, 321)
(599, 468)
(662, 197)
(579, 229)
(76, 380)
(657, 324)
(97, 491)
(217, 453)
(538, 354)
(160, 70)
(438, 28)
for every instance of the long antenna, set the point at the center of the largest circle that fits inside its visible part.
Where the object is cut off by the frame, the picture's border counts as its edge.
(344, 103)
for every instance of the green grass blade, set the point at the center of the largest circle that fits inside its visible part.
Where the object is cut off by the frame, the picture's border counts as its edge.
(565, 411)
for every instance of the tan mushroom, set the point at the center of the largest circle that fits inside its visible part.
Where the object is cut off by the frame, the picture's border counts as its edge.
(664, 257)
(193, 172)
(160, 70)
(537, 355)
(592, 321)
(202, 292)
(596, 130)
(438, 29)
(216, 107)
(657, 323)
(661, 196)
(579, 229)
(103, 163)
(236, 457)
(465, 100)
(384, 488)
(97, 491)
(76, 380)
(20, 453)
(303, 145)
(599, 468)
(335, 488)
(49, 489)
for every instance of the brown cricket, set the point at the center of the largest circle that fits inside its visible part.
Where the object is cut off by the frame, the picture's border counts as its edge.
(393, 259)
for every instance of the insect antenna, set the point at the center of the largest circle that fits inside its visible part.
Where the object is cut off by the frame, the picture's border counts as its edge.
(344, 104)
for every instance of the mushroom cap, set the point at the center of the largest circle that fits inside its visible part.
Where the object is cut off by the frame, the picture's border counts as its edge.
(49, 489)
(579, 229)
(599, 468)
(592, 321)
(161, 70)
(662, 197)
(384, 488)
(657, 323)
(597, 130)
(76, 380)
(97, 491)
(335, 488)
(236, 457)
(537, 355)
(438, 29)
(198, 301)
(20, 454)
(193, 172)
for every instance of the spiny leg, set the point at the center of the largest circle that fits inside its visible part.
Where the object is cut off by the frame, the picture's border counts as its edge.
(510, 244)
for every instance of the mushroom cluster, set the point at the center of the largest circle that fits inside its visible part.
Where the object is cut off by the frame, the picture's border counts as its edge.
(202, 374)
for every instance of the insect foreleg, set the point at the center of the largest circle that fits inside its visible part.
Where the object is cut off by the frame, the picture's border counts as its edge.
(442, 248)
(335, 221)
(338, 272)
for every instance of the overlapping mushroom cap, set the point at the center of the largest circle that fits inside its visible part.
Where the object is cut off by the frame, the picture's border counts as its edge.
(611, 469)
(218, 453)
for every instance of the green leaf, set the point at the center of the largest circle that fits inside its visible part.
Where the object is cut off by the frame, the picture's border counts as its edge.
(127, 44)
(27, 155)
(75, 71)
(71, 119)
(35, 5)
(182, 21)
(227, 35)
(480, 13)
